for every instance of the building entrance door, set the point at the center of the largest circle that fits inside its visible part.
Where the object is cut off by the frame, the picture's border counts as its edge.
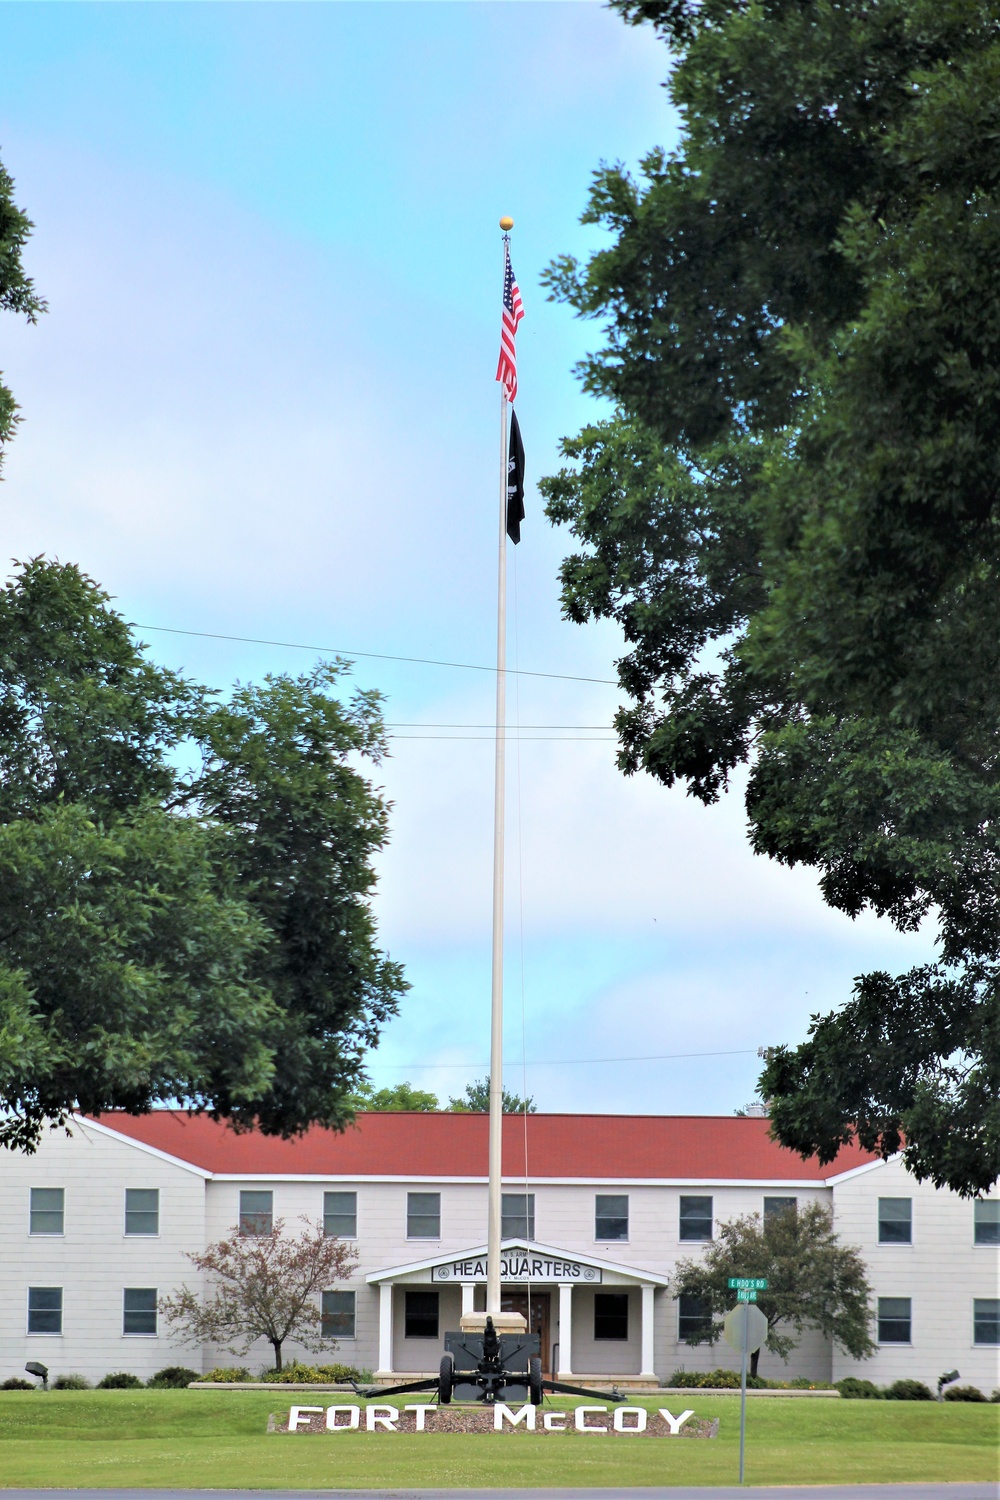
(536, 1317)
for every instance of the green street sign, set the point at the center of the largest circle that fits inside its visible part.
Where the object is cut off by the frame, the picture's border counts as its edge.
(746, 1294)
(749, 1283)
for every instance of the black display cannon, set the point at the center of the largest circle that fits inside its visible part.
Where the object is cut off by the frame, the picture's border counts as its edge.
(481, 1363)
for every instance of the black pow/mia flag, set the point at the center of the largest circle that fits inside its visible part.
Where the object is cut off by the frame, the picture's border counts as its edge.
(515, 481)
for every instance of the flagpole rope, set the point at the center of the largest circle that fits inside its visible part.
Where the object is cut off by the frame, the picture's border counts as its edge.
(520, 926)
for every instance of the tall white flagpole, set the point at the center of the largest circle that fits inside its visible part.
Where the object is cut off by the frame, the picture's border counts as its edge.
(496, 1002)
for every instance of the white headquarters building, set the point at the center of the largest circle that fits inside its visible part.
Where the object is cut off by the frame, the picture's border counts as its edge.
(94, 1228)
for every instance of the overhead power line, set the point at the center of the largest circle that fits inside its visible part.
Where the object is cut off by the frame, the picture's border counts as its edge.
(421, 661)
(572, 1062)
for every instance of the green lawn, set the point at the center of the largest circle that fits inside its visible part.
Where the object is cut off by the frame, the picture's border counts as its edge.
(197, 1439)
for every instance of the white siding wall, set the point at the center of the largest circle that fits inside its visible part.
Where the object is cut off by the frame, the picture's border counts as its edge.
(93, 1260)
(941, 1272)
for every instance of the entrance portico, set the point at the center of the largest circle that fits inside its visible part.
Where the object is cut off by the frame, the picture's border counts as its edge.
(596, 1316)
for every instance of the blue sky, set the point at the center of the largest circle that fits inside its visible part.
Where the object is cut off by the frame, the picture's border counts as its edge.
(262, 404)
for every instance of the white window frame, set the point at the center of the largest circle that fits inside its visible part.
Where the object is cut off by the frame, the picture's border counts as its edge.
(156, 1311)
(424, 1239)
(47, 1234)
(894, 1244)
(893, 1343)
(125, 1230)
(341, 1291)
(621, 1239)
(973, 1344)
(357, 1214)
(29, 1332)
(982, 1244)
(247, 1233)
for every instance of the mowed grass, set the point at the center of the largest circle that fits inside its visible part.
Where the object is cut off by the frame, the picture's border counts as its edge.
(205, 1440)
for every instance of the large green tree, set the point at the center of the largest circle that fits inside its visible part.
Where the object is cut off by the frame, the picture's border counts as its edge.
(17, 291)
(813, 1281)
(793, 510)
(184, 881)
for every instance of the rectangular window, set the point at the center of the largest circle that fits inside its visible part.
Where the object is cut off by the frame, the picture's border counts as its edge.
(986, 1320)
(339, 1315)
(340, 1215)
(421, 1315)
(142, 1210)
(45, 1309)
(987, 1221)
(256, 1212)
(517, 1220)
(696, 1219)
(775, 1207)
(139, 1310)
(611, 1216)
(47, 1210)
(894, 1320)
(423, 1216)
(693, 1320)
(611, 1315)
(895, 1221)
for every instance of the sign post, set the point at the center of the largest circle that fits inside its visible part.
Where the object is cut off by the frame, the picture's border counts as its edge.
(745, 1331)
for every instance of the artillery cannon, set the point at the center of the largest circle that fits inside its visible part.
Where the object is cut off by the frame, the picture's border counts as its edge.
(484, 1365)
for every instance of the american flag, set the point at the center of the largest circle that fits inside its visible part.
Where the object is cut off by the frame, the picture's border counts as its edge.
(513, 312)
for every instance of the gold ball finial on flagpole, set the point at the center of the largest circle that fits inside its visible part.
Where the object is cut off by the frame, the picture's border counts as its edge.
(506, 223)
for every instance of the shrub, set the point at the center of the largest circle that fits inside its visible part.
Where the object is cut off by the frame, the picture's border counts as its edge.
(964, 1393)
(908, 1390)
(16, 1384)
(853, 1389)
(119, 1380)
(172, 1378)
(71, 1383)
(996, 1394)
(300, 1374)
(228, 1377)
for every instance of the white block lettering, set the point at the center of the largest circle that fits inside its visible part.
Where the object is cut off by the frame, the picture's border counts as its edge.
(502, 1414)
(297, 1420)
(621, 1412)
(675, 1423)
(555, 1421)
(353, 1418)
(421, 1412)
(381, 1416)
(582, 1425)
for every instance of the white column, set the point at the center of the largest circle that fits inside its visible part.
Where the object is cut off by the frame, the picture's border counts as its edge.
(468, 1297)
(385, 1327)
(565, 1329)
(646, 1371)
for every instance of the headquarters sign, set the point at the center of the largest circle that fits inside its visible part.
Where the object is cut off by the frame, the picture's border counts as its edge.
(518, 1266)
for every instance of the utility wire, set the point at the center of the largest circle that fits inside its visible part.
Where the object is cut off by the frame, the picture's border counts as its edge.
(422, 661)
(573, 1062)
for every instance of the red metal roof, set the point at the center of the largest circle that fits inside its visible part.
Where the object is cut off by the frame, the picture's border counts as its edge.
(608, 1147)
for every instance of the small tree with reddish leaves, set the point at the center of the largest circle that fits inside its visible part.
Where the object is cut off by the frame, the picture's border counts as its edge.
(262, 1286)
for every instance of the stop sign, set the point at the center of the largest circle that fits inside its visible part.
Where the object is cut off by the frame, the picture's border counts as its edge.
(745, 1315)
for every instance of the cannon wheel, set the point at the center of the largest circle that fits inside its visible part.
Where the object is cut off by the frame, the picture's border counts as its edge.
(446, 1379)
(535, 1382)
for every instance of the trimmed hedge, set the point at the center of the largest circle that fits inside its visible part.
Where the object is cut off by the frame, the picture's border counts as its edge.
(15, 1383)
(298, 1374)
(964, 1393)
(171, 1378)
(119, 1380)
(228, 1377)
(729, 1380)
(908, 1390)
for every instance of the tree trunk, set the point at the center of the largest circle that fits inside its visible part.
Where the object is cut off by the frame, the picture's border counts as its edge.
(276, 1345)
(754, 1361)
